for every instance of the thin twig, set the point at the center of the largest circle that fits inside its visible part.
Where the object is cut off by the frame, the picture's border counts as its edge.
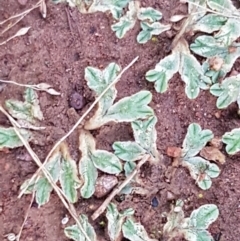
(212, 11)
(39, 87)
(69, 21)
(79, 122)
(104, 205)
(18, 84)
(59, 192)
(23, 13)
(26, 216)
(12, 24)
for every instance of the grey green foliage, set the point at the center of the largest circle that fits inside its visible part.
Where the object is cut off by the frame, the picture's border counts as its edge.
(106, 162)
(150, 29)
(182, 61)
(200, 169)
(131, 108)
(227, 92)
(148, 16)
(127, 21)
(73, 232)
(195, 140)
(135, 231)
(123, 223)
(221, 48)
(116, 220)
(232, 141)
(43, 187)
(210, 23)
(192, 74)
(89, 174)
(91, 6)
(69, 177)
(193, 228)
(128, 150)
(145, 143)
(9, 138)
(125, 110)
(92, 160)
(62, 168)
(29, 110)
(164, 71)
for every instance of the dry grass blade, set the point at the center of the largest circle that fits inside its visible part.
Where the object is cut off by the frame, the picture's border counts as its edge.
(40, 87)
(79, 122)
(212, 11)
(23, 13)
(104, 205)
(43, 9)
(20, 32)
(59, 192)
(12, 25)
(26, 216)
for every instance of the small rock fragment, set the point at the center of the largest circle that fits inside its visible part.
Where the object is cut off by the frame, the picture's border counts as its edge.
(104, 185)
(216, 63)
(154, 202)
(76, 101)
(217, 115)
(216, 142)
(212, 154)
(65, 220)
(173, 151)
(170, 196)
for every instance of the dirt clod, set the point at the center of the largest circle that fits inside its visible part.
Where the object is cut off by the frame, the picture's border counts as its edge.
(76, 101)
(174, 151)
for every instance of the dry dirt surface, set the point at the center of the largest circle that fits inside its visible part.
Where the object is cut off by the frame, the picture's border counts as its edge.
(56, 50)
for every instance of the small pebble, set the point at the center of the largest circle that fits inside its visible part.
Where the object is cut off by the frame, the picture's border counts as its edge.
(104, 185)
(76, 101)
(154, 202)
(11, 236)
(170, 196)
(217, 115)
(65, 220)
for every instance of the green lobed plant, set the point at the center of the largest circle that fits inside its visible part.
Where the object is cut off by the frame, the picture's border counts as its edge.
(148, 17)
(145, 136)
(73, 232)
(92, 160)
(220, 49)
(200, 169)
(193, 228)
(26, 113)
(123, 224)
(227, 92)
(127, 109)
(9, 138)
(27, 110)
(232, 141)
(63, 169)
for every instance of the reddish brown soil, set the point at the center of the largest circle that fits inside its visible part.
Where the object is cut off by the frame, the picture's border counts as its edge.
(56, 50)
